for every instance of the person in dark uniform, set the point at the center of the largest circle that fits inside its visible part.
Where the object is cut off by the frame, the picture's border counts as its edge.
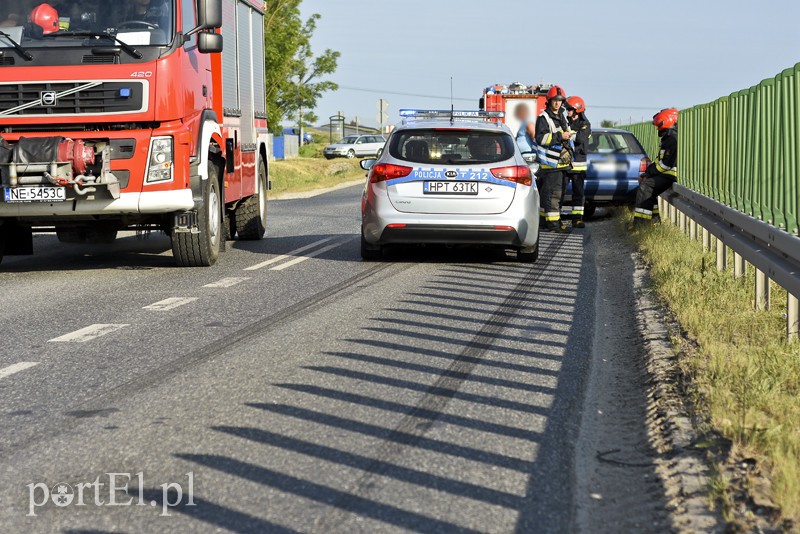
(663, 172)
(553, 149)
(579, 124)
(155, 12)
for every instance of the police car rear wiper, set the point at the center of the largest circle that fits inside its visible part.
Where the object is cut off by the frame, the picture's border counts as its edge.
(18, 47)
(125, 46)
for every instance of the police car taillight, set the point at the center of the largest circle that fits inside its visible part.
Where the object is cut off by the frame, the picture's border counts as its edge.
(520, 174)
(386, 171)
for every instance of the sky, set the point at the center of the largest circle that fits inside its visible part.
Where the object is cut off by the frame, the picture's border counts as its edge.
(626, 58)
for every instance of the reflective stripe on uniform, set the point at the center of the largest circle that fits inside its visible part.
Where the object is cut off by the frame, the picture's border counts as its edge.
(549, 155)
(551, 216)
(663, 169)
(642, 213)
(580, 166)
(549, 159)
(577, 211)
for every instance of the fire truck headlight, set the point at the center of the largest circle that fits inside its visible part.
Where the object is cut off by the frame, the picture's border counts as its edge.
(159, 168)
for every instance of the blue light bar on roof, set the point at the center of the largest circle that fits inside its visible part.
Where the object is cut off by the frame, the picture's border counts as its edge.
(447, 114)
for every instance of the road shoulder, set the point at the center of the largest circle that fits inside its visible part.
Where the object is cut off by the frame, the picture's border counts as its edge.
(635, 468)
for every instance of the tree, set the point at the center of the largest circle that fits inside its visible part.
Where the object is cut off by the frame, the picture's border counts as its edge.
(607, 124)
(294, 75)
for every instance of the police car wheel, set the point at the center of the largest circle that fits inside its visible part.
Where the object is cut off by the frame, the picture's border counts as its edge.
(370, 252)
(528, 255)
(102, 236)
(71, 236)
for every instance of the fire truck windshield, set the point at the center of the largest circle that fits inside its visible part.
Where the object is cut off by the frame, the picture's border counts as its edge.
(60, 23)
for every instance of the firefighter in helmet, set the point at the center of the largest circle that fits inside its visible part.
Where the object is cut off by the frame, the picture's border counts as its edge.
(663, 172)
(45, 16)
(579, 124)
(553, 149)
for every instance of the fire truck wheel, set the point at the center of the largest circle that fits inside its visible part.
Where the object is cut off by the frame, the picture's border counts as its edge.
(202, 249)
(101, 236)
(229, 225)
(71, 236)
(251, 215)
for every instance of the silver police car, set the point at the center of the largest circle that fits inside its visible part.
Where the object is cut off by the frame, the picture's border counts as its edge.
(450, 177)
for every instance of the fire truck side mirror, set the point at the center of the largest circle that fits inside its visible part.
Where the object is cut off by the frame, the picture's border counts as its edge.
(209, 43)
(209, 14)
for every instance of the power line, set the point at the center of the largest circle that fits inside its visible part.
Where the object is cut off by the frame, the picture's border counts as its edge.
(439, 97)
(380, 92)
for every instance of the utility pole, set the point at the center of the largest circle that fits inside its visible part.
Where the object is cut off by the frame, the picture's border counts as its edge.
(383, 106)
(299, 115)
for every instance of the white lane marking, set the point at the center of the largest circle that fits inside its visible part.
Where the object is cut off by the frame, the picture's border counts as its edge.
(308, 256)
(90, 332)
(226, 282)
(282, 257)
(16, 368)
(170, 303)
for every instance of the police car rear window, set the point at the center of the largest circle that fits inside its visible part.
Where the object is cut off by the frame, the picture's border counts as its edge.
(444, 146)
(614, 143)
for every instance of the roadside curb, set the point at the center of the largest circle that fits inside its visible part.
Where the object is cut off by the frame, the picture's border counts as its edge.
(316, 192)
(682, 468)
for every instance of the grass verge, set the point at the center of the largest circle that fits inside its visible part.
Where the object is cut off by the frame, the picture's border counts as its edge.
(746, 377)
(297, 175)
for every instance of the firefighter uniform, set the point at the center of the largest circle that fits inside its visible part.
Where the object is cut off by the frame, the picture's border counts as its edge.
(582, 129)
(552, 164)
(658, 177)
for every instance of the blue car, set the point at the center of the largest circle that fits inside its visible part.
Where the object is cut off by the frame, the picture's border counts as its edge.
(615, 160)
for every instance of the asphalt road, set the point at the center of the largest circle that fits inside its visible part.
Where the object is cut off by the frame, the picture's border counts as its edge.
(294, 388)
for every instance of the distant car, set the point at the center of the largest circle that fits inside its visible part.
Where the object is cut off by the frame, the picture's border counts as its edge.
(356, 146)
(307, 137)
(452, 182)
(615, 160)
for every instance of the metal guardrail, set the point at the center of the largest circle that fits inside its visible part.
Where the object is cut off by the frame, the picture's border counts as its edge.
(774, 253)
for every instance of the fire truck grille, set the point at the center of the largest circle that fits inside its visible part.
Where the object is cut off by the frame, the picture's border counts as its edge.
(71, 98)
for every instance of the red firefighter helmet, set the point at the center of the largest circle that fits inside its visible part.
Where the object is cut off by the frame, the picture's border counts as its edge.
(556, 93)
(665, 119)
(46, 17)
(576, 104)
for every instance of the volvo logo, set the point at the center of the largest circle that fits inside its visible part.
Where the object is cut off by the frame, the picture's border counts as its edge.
(48, 98)
(451, 174)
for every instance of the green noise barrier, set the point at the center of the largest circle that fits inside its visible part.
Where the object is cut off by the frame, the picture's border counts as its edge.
(743, 149)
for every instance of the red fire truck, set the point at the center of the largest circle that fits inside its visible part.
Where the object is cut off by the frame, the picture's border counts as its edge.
(133, 117)
(506, 98)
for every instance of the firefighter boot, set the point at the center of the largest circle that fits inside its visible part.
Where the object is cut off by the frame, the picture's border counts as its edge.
(636, 224)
